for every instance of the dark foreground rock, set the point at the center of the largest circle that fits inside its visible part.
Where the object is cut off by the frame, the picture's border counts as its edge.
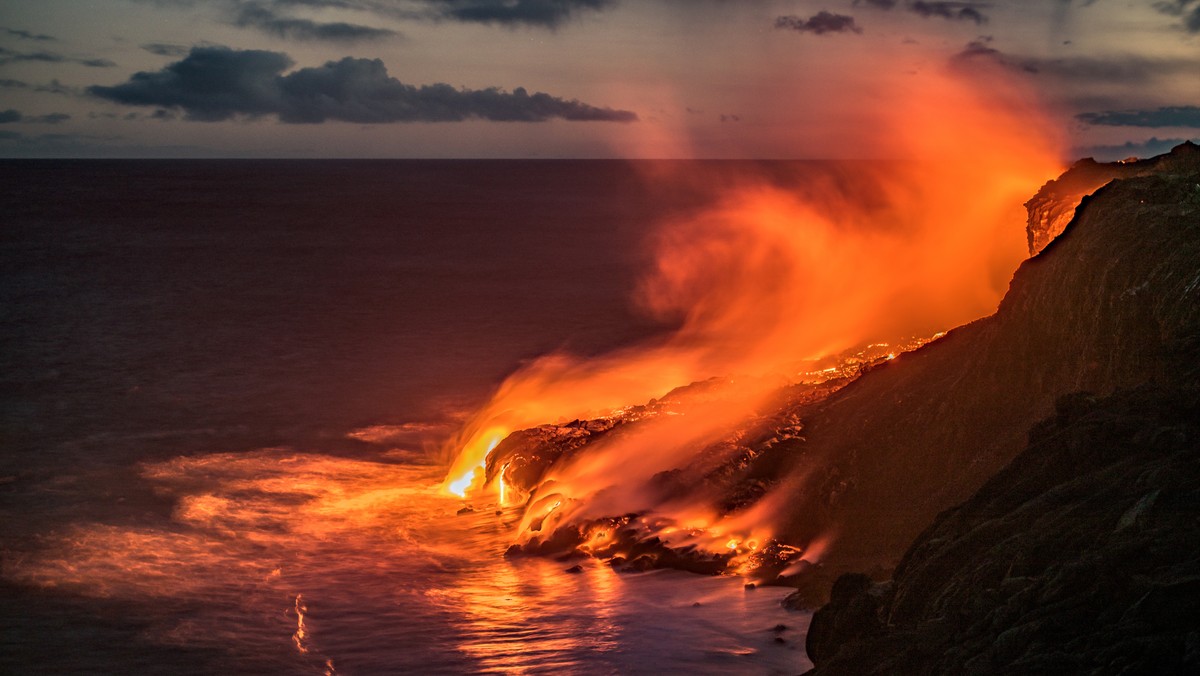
(1081, 556)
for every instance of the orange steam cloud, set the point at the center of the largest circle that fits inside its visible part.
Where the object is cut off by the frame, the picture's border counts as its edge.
(864, 252)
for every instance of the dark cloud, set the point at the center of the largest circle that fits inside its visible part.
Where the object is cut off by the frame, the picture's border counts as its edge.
(55, 87)
(10, 115)
(537, 13)
(51, 118)
(218, 83)
(546, 13)
(26, 35)
(1115, 69)
(1150, 148)
(165, 49)
(1171, 116)
(1187, 10)
(959, 11)
(266, 20)
(820, 23)
(12, 56)
(956, 11)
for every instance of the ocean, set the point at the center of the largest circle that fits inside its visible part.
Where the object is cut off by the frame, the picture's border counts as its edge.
(225, 392)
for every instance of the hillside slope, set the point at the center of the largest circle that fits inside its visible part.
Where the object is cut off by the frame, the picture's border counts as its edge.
(1082, 555)
(1111, 304)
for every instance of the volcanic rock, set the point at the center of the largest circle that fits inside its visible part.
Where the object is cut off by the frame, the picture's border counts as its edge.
(1112, 303)
(1081, 556)
(852, 614)
(1054, 204)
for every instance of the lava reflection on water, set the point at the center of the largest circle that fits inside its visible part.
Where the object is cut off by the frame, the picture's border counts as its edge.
(287, 562)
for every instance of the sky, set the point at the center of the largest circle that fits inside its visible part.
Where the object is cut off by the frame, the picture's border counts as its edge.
(752, 79)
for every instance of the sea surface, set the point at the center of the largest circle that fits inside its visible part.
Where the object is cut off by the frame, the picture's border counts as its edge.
(225, 388)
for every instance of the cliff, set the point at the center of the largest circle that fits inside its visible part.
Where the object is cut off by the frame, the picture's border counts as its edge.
(1081, 555)
(1111, 304)
(1054, 204)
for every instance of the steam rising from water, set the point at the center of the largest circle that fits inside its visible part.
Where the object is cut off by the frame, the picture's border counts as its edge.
(768, 278)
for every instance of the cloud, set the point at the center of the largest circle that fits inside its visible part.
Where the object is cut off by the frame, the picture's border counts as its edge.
(55, 87)
(11, 56)
(1170, 116)
(535, 13)
(26, 35)
(1188, 10)
(956, 11)
(1106, 70)
(264, 19)
(546, 13)
(218, 83)
(960, 11)
(820, 23)
(165, 49)
(51, 118)
(1150, 148)
(10, 115)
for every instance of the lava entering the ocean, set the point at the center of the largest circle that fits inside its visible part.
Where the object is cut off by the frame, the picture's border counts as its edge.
(764, 286)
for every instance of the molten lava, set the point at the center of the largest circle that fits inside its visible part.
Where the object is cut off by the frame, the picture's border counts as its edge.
(763, 286)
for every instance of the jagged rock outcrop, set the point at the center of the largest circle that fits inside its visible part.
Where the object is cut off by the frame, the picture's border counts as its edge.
(1081, 556)
(1054, 204)
(1110, 304)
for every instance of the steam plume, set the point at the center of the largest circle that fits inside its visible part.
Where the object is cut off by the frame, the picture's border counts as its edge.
(768, 278)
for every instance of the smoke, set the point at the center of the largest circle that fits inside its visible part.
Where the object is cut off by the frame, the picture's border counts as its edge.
(768, 277)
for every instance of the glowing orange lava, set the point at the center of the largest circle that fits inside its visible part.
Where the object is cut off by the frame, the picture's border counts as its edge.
(768, 280)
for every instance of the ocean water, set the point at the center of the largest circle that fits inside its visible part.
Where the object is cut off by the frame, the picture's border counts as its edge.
(223, 389)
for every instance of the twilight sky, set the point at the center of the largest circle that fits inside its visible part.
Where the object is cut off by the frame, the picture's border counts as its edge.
(568, 78)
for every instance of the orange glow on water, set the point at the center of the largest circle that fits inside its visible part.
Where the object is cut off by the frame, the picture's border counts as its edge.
(305, 561)
(301, 634)
(768, 278)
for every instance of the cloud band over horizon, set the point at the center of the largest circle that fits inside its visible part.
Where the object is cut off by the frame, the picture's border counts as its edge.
(218, 83)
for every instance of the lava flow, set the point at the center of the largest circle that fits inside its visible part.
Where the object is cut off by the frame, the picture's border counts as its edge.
(764, 286)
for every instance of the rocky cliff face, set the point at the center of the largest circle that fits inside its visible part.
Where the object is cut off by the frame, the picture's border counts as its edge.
(1081, 555)
(1054, 205)
(1110, 304)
